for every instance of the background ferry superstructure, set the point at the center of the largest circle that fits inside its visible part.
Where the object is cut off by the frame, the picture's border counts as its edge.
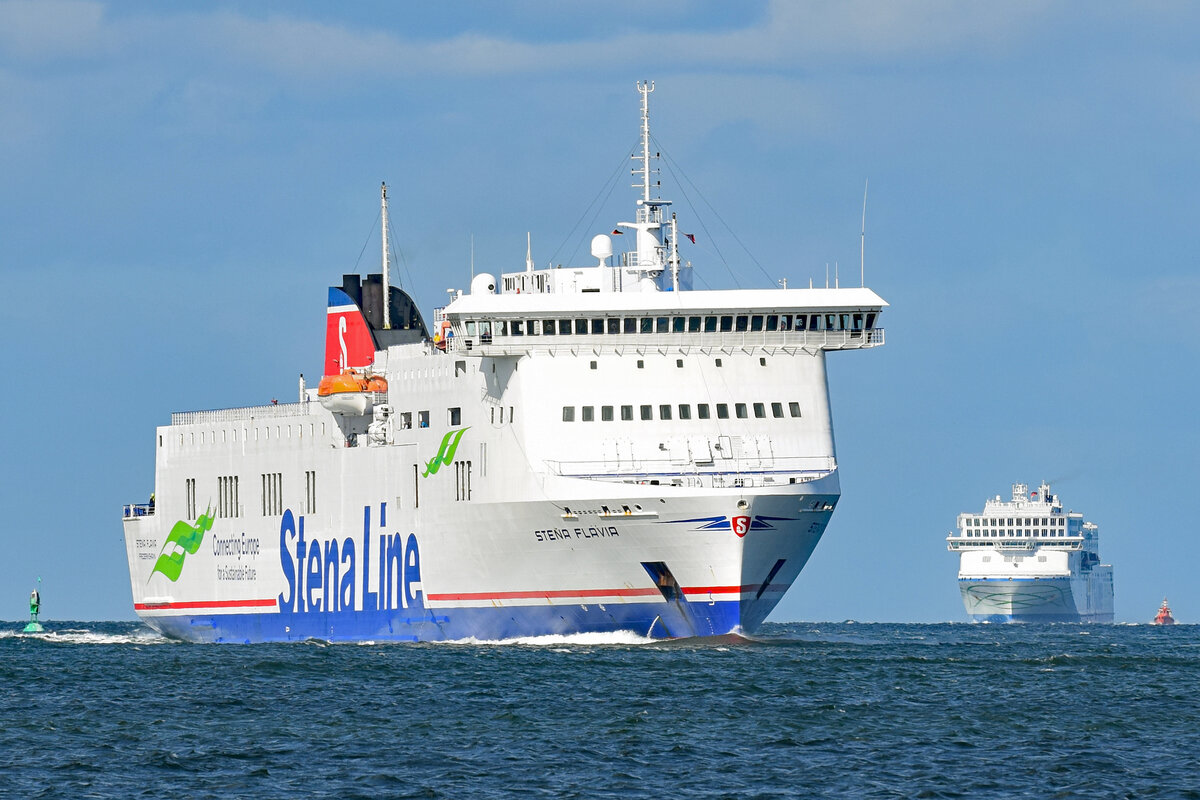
(1027, 561)
(596, 448)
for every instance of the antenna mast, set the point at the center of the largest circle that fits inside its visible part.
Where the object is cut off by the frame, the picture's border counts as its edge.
(387, 290)
(862, 248)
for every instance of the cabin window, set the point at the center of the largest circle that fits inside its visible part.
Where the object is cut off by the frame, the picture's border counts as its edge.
(677, 324)
(664, 412)
(588, 413)
(710, 324)
(647, 412)
(663, 325)
(756, 322)
(726, 324)
(641, 364)
(679, 363)
(614, 326)
(423, 419)
(693, 324)
(702, 411)
(794, 409)
(581, 327)
(629, 325)
(606, 413)
(722, 411)
(785, 323)
(598, 327)
(455, 416)
(685, 411)
(740, 410)
(777, 410)
(762, 362)
(760, 411)
(646, 325)
(470, 327)
(593, 364)
(772, 322)
(718, 362)
(626, 413)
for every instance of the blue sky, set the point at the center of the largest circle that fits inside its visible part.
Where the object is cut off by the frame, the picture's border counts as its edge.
(182, 181)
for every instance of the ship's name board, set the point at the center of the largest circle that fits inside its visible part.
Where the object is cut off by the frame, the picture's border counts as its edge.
(562, 534)
(325, 574)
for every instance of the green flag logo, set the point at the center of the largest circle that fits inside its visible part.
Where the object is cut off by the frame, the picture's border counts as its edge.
(446, 453)
(183, 540)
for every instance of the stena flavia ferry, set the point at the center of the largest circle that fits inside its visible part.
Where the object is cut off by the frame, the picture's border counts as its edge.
(1027, 561)
(587, 449)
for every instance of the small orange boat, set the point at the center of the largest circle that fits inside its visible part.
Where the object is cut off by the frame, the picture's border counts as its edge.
(350, 392)
(1164, 615)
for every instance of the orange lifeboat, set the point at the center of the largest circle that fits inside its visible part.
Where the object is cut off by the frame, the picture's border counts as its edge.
(1164, 615)
(347, 393)
(377, 384)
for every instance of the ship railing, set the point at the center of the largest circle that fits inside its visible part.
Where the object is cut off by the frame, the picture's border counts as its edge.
(728, 341)
(749, 472)
(133, 510)
(272, 411)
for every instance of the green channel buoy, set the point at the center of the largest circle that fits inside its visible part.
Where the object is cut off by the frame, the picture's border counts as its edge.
(35, 605)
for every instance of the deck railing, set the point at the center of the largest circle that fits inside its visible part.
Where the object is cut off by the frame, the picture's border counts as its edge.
(273, 411)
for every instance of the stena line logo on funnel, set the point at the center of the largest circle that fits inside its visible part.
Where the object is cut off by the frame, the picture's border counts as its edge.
(379, 572)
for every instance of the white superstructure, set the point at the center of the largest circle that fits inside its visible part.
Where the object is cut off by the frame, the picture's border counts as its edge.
(1026, 560)
(590, 448)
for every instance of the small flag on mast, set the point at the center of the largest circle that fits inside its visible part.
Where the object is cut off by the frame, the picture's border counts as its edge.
(617, 232)
(691, 238)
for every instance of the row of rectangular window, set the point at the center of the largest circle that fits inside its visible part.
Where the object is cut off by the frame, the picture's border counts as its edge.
(1018, 532)
(735, 323)
(667, 411)
(1000, 522)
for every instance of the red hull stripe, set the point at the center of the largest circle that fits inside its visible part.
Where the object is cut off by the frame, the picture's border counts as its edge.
(547, 594)
(206, 604)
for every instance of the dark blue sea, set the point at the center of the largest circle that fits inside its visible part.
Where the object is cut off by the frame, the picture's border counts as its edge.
(804, 710)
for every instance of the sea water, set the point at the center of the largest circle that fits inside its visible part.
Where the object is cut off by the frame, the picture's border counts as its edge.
(802, 710)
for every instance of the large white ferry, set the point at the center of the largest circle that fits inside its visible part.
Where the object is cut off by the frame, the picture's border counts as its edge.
(1028, 561)
(585, 449)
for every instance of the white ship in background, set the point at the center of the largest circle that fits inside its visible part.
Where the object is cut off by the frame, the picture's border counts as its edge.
(592, 448)
(1028, 561)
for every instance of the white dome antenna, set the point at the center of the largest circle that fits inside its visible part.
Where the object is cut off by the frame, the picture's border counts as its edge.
(602, 248)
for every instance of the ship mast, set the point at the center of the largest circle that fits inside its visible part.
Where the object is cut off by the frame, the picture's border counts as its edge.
(649, 220)
(387, 291)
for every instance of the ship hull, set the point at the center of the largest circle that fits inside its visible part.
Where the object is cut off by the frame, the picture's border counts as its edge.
(1048, 599)
(696, 566)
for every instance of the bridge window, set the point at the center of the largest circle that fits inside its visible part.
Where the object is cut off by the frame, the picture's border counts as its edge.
(663, 325)
(785, 323)
(870, 321)
(710, 324)
(581, 327)
(598, 326)
(470, 327)
(677, 324)
(858, 321)
(831, 322)
(630, 325)
(646, 325)
(533, 327)
(741, 322)
(693, 324)
(772, 322)
(614, 325)
(756, 322)
(568, 413)
(726, 324)
(548, 327)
